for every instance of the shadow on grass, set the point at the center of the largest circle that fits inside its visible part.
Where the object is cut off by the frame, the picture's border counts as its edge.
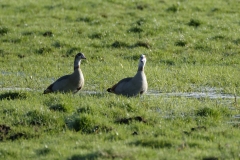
(211, 158)
(13, 95)
(6, 133)
(59, 107)
(194, 23)
(181, 43)
(128, 120)
(120, 44)
(100, 154)
(43, 151)
(3, 31)
(84, 157)
(154, 143)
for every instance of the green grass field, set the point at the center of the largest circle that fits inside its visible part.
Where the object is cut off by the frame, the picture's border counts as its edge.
(192, 47)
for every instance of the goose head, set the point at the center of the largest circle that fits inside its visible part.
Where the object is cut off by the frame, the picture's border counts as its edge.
(77, 60)
(80, 56)
(142, 62)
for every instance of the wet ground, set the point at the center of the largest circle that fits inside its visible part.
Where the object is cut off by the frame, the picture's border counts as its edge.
(208, 94)
(205, 92)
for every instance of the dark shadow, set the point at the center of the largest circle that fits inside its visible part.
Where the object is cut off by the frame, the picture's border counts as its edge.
(72, 51)
(42, 152)
(13, 95)
(107, 154)
(154, 143)
(6, 133)
(133, 57)
(4, 130)
(194, 129)
(28, 33)
(84, 157)
(128, 120)
(48, 34)
(211, 158)
(141, 44)
(3, 31)
(194, 23)
(181, 43)
(135, 30)
(44, 50)
(173, 8)
(119, 44)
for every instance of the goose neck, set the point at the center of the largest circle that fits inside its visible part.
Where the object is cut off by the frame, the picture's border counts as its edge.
(77, 64)
(140, 68)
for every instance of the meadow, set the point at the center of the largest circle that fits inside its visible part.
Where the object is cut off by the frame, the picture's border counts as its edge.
(192, 48)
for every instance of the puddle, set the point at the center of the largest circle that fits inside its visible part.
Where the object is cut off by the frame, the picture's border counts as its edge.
(211, 93)
(16, 89)
(237, 116)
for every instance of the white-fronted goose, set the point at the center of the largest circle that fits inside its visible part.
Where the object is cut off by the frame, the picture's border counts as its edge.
(69, 83)
(132, 86)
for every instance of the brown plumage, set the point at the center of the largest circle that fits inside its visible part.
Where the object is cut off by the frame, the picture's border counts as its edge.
(69, 83)
(132, 86)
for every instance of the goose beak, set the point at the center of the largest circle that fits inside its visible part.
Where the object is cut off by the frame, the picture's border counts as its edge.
(83, 57)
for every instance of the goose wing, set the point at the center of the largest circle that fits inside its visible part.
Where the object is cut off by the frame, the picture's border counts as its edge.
(58, 85)
(119, 84)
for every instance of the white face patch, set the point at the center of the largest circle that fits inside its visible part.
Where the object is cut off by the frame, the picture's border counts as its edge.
(143, 58)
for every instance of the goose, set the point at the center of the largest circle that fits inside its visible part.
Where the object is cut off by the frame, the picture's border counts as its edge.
(132, 86)
(69, 83)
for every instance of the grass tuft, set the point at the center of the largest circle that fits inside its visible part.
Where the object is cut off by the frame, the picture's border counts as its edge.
(3, 31)
(194, 23)
(84, 123)
(181, 43)
(96, 36)
(173, 8)
(212, 112)
(135, 30)
(237, 41)
(36, 118)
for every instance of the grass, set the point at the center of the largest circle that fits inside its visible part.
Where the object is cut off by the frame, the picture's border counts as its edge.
(189, 45)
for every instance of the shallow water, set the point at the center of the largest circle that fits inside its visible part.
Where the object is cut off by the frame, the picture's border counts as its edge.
(211, 93)
(201, 92)
(15, 89)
